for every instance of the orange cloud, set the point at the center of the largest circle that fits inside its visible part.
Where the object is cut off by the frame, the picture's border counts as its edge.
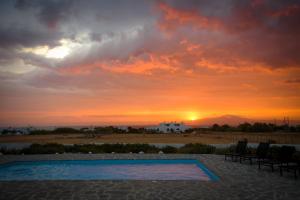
(193, 62)
(172, 17)
(286, 11)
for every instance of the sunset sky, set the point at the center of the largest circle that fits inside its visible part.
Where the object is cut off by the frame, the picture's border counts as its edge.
(141, 61)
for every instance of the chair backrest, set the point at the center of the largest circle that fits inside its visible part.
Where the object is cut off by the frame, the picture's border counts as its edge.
(262, 149)
(241, 147)
(286, 153)
(296, 157)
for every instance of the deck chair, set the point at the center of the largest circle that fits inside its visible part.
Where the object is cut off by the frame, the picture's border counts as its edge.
(283, 157)
(239, 150)
(293, 166)
(261, 153)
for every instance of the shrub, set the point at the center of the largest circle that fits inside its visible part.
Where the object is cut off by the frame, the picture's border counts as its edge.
(169, 149)
(197, 149)
(135, 148)
(86, 148)
(9, 151)
(222, 151)
(65, 130)
(44, 149)
(108, 148)
(40, 132)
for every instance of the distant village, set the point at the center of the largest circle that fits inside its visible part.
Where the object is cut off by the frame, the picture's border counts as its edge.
(165, 127)
(16, 131)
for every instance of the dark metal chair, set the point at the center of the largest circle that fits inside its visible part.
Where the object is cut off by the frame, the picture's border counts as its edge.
(281, 158)
(239, 150)
(261, 153)
(293, 166)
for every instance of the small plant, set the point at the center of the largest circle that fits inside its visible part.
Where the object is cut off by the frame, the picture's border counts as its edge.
(197, 149)
(169, 149)
(49, 148)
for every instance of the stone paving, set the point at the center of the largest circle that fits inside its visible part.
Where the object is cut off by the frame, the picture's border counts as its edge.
(237, 181)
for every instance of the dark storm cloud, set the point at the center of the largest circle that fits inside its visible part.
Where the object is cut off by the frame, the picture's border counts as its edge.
(25, 22)
(87, 13)
(264, 31)
(259, 31)
(17, 36)
(50, 12)
(14, 38)
(20, 29)
(33, 23)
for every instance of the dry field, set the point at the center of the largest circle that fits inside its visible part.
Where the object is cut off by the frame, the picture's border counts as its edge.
(204, 137)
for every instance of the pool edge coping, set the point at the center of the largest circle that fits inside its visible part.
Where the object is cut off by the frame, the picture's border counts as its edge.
(53, 157)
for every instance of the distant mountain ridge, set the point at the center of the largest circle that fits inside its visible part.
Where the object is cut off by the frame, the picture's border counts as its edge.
(232, 120)
(224, 119)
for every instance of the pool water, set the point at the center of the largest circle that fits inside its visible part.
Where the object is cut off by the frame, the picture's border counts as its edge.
(106, 170)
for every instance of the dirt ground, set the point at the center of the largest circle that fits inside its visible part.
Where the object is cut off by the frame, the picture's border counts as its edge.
(204, 138)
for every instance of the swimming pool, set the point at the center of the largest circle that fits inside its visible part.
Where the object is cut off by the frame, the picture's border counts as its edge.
(106, 170)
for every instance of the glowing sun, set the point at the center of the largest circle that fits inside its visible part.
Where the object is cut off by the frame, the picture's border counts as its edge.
(192, 116)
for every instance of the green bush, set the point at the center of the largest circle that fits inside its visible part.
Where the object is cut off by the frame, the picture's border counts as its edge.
(146, 148)
(40, 132)
(65, 130)
(169, 149)
(122, 148)
(197, 149)
(223, 151)
(108, 148)
(50, 148)
(10, 151)
(86, 148)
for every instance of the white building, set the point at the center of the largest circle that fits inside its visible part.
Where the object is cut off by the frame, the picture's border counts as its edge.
(16, 131)
(171, 127)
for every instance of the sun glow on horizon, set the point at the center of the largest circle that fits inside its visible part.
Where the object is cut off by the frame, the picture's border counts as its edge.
(192, 116)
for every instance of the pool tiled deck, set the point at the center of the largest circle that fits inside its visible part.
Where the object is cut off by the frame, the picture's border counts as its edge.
(237, 181)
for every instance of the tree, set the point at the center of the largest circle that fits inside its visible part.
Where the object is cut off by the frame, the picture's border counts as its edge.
(245, 127)
(215, 127)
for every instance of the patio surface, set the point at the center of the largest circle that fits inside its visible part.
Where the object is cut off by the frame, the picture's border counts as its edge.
(237, 181)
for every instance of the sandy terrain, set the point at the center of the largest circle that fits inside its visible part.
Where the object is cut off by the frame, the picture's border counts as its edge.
(205, 138)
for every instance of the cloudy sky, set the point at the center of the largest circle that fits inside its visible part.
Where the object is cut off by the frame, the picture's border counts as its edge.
(141, 61)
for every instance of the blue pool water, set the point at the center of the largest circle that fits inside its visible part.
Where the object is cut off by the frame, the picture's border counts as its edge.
(106, 170)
